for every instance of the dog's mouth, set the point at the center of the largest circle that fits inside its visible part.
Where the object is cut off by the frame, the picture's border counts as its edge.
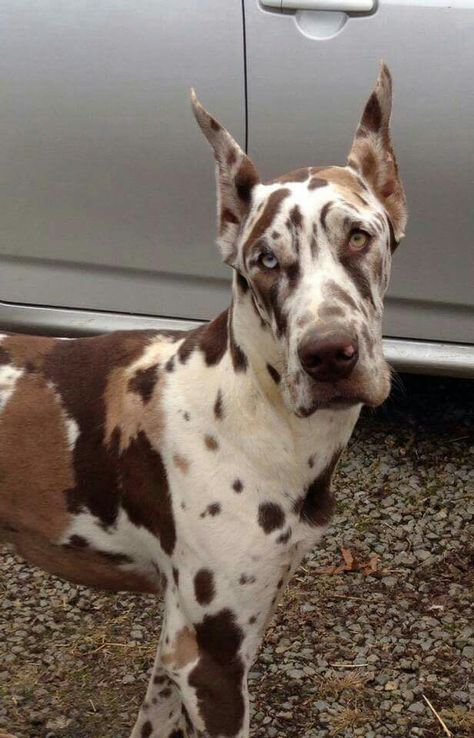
(346, 394)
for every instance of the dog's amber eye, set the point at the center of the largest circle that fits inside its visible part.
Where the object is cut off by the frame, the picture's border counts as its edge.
(358, 239)
(269, 260)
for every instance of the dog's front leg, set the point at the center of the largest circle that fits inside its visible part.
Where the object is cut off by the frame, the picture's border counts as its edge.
(161, 714)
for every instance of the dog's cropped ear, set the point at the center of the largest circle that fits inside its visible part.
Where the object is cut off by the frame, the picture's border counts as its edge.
(372, 154)
(236, 177)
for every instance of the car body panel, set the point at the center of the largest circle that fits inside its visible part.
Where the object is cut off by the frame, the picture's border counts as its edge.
(304, 101)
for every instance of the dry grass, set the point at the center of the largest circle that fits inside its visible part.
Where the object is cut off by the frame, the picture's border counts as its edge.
(334, 685)
(455, 718)
(348, 717)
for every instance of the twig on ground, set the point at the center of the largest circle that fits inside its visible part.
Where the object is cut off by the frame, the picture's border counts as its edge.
(437, 716)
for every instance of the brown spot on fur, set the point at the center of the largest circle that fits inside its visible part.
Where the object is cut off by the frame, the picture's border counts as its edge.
(358, 276)
(333, 290)
(284, 537)
(218, 406)
(185, 650)
(239, 359)
(330, 311)
(35, 467)
(270, 516)
(324, 214)
(372, 117)
(212, 510)
(28, 351)
(245, 180)
(297, 175)
(242, 283)
(217, 678)
(143, 382)
(181, 463)
(211, 443)
(316, 182)
(204, 587)
(274, 374)
(316, 506)
(237, 485)
(227, 216)
(210, 338)
(247, 579)
(269, 212)
(296, 218)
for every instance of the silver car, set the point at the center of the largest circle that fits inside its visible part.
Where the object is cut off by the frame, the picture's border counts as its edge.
(107, 194)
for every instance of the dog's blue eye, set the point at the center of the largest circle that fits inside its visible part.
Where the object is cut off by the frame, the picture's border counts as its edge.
(269, 260)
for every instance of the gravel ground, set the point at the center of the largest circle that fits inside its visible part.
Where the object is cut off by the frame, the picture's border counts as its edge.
(375, 619)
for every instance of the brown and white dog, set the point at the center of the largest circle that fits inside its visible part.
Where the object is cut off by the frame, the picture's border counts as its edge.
(198, 464)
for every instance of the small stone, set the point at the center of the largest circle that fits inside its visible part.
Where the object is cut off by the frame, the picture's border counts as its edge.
(418, 708)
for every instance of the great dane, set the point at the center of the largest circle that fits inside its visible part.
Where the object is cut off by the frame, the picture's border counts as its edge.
(198, 464)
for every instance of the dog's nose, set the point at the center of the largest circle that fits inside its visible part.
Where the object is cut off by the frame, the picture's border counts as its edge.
(328, 356)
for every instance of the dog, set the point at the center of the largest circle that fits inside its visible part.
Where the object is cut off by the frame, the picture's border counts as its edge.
(197, 465)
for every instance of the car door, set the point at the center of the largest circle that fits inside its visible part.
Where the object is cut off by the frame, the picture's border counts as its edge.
(107, 197)
(309, 73)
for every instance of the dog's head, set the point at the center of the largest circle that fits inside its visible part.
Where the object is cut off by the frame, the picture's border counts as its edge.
(312, 252)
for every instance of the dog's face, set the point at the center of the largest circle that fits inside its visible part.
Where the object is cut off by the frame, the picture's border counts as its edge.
(312, 252)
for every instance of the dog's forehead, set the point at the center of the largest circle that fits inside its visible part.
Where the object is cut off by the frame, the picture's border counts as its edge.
(303, 194)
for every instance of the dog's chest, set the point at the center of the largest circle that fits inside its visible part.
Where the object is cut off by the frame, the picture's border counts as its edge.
(239, 476)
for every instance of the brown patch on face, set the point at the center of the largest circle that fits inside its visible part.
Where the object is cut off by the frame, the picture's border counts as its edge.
(316, 182)
(36, 465)
(274, 374)
(296, 217)
(346, 183)
(211, 443)
(331, 311)
(324, 214)
(297, 175)
(270, 516)
(333, 290)
(204, 587)
(181, 463)
(217, 678)
(317, 504)
(185, 650)
(242, 283)
(270, 210)
(143, 382)
(28, 352)
(359, 277)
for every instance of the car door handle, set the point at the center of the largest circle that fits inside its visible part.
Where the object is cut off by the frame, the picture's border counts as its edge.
(347, 6)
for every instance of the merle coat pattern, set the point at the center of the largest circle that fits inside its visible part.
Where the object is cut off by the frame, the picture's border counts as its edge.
(198, 465)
